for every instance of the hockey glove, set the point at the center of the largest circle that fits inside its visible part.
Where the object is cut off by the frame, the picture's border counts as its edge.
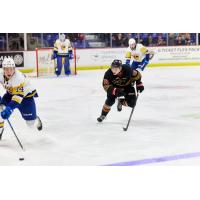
(71, 56)
(147, 57)
(144, 64)
(128, 62)
(5, 114)
(118, 92)
(54, 55)
(139, 87)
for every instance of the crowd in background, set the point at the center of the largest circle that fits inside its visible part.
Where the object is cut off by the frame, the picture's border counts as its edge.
(16, 41)
(155, 39)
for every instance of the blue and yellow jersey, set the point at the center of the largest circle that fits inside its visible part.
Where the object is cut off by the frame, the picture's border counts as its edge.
(18, 86)
(62, 48)
(137, 54)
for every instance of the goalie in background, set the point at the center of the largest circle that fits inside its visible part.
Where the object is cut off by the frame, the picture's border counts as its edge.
(138, 54)
(19, 94)
(62, 53)
(119, 81)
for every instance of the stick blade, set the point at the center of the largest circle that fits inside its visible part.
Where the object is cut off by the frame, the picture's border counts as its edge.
(125, 129)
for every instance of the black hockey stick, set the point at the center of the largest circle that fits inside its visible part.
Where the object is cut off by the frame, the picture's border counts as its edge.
(126, 128)
(20, 144)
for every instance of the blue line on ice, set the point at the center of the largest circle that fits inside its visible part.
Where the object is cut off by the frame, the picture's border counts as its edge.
(156, 160)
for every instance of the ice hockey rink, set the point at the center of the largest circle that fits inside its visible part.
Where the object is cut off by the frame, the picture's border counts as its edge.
(164, 129)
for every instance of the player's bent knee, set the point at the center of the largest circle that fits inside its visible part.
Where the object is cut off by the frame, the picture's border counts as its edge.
(132, 103)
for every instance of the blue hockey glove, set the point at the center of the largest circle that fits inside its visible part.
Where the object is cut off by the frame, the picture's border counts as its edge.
(71, 56)
(54, 55)
(144, 64)
(147, 57)
(128, 62)
(5, 114)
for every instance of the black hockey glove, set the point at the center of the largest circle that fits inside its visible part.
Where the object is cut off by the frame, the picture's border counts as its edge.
(118, 92)
(139, 87)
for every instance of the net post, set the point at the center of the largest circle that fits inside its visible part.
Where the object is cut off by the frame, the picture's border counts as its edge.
(37, 67)
(75, 61)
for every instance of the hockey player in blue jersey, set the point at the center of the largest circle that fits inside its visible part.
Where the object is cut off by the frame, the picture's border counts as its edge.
(62, 53)
(138, 54)
(19, 95)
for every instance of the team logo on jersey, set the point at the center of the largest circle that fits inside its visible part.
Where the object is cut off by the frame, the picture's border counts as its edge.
(18, 59)
(135, 56)
(63, 47)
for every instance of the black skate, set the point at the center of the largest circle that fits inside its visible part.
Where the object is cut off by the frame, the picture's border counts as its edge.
(119, 105)
(2, 130)
(39, 125)
(101, 118)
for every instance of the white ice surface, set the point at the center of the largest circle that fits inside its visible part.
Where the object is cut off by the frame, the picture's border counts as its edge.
(165, 121)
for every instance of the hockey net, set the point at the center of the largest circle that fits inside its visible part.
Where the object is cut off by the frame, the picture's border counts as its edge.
(45, 66)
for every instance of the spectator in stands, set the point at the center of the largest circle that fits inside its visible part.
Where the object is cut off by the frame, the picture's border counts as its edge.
(180, 40)
(171, 39)
(150, 40)
(160, 41)
(144, 39)
(2, 41)
(199, 38)
(16, 41)
(127, 37)
(49, 39)
(118, 40)
(78, 40)
(188, 39)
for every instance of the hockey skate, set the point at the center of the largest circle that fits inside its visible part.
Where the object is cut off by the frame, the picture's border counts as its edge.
(39, 124)
(119, 105)
(101, 118)
(1, 133)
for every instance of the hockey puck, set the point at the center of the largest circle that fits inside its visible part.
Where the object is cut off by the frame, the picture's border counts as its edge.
(21, 159)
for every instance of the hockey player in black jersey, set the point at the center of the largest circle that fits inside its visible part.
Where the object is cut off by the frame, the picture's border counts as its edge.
(119, 81)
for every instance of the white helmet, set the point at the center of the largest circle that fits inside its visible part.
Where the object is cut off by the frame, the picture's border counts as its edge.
(131, 41)
(8, 62)
(62, 37)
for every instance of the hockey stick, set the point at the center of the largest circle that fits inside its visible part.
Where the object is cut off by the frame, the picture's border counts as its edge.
(20, 144)
(126, 128)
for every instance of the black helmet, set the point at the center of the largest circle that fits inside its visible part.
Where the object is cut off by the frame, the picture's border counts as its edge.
(116, 63)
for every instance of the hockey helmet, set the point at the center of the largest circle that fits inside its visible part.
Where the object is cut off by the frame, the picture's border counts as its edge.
(116, 63)
(131, 41)
(62, 37)
(8, 62)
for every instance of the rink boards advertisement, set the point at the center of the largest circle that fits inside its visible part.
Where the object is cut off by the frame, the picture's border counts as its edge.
(99, 58)
(164, 56)
(18, 57)
(177, 55)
